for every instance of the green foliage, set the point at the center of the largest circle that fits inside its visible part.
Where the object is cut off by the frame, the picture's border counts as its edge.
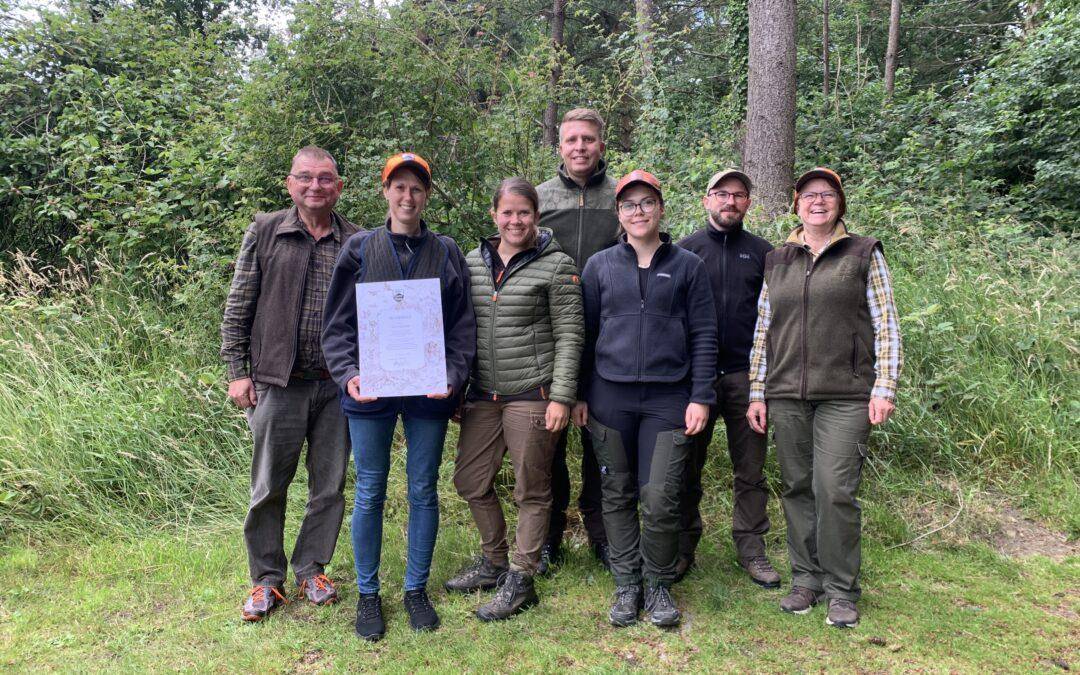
(113, 136)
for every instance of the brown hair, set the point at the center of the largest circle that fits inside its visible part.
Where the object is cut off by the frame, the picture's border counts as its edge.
(584, 115)
(516, 186)
(315, 152)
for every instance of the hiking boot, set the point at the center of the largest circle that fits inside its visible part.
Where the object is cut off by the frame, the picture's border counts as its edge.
(422, 615)
(800, 600)
(603, 554)
(369, 618)
(261, 601)
(318, 590)
(842, 613)
(661, 608)
(761, 571)
(516, 594)
(627, 604)
(551, 556)
(479, 575)
(683, 565)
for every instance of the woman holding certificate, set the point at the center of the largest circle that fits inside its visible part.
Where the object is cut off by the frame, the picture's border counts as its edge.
(401, 250)
(648, 372)
(529, 338)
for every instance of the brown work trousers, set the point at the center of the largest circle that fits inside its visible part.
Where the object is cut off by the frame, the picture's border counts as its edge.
(488, 430)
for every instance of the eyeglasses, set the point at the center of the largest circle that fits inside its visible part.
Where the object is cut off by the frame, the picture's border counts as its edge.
(723, 195)
(647, 206)
(811, 197)
(324, 180)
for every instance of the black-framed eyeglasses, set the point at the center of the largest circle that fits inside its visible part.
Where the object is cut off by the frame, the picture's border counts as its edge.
(324, 180)
(723, 195)
(647, 206)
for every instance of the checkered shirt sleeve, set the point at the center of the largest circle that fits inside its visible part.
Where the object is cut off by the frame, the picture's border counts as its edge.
(888, 349)
(240, 309)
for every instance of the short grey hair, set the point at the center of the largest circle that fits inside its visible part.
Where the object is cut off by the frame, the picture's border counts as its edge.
(315, 152)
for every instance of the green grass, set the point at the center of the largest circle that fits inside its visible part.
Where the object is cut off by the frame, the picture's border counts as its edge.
(172, 602)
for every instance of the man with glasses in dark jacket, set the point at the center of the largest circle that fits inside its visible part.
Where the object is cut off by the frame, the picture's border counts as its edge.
(735, 260)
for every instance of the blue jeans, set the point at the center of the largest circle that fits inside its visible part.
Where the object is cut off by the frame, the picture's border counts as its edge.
(371, 440)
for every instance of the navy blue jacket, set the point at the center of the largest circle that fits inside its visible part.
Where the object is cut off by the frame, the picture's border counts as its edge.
(339, 341)
(668, 336)
(735, 262)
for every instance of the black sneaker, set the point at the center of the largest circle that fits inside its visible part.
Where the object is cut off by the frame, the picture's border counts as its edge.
(627, 604)
(479, 575)
(661, 607)
(603, 554)
(551, 556)
(422, 615)
(516, 594)
(369, 619)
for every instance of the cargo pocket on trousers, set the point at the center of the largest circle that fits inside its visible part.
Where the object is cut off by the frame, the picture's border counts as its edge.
(617, 486)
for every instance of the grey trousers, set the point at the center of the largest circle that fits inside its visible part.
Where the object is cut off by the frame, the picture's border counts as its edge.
(821, 446)
(283, 419)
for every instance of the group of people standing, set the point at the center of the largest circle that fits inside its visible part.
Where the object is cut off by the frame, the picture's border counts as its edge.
(578, 309)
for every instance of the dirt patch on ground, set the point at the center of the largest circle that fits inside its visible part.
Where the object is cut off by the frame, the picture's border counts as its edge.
(989, 517)
(1020, 536)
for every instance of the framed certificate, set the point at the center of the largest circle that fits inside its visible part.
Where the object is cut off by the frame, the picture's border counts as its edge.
(400, 336)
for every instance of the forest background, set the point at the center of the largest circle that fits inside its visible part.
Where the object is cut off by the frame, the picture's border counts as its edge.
(138, 137)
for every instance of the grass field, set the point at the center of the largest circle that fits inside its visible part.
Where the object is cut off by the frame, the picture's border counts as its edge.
(171, 601)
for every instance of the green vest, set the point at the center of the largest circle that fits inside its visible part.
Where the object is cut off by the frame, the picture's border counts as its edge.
(820, 344)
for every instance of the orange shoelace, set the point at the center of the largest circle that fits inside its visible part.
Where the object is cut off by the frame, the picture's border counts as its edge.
(258, 593)
(322, 582)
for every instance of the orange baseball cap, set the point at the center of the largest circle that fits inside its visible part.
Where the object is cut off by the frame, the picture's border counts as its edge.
(639, 176)
(411, 160)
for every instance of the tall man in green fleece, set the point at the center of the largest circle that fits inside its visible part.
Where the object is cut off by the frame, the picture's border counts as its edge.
(579, 206)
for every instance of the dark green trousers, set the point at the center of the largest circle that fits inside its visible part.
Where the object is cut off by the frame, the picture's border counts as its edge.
(821, 446)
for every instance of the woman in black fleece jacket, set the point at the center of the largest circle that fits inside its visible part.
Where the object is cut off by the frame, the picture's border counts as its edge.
(647, 372)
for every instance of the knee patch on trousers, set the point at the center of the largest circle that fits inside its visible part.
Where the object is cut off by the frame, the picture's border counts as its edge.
(660, 496)
(616, 482)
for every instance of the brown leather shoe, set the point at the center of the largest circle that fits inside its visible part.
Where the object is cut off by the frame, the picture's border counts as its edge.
(761, 571)
(262, 601)
(319, 590)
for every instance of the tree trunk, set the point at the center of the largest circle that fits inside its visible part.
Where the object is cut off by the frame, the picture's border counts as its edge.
(894, 44)
(770, 103)
(825, 48)
(551, 114)
(646, 27)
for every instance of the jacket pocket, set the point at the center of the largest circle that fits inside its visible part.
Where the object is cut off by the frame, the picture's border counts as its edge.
(664, 346)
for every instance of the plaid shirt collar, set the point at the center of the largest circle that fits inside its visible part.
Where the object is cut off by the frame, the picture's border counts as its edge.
(292, 224)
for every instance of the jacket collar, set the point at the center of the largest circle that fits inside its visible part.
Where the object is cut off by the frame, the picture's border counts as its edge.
(424, 231)
(595, 179)
(628, 250)
(292, 224)
(797, 238)
(545, 242)
(718, 235)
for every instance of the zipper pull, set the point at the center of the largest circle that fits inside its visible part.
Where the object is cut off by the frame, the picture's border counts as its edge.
(581, 199)
(495, 296)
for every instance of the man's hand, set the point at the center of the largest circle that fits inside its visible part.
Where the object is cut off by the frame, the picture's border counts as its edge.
(756, 416)
(580, 414)
(242, 393)
(353, 389)
(880, 410)
(449, 392)
(556, 416)
(697, 416)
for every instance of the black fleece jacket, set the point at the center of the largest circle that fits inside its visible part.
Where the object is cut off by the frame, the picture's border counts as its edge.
(664, 335)
(735, 262)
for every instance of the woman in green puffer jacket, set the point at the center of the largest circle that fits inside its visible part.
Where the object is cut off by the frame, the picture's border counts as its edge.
(530, 331)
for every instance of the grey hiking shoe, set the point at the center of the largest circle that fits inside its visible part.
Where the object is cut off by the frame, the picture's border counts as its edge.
(842, 613)
(479, 575)
(800, 600)
(661, 607)
(761, 571)
(516, 594)
(627, 604)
